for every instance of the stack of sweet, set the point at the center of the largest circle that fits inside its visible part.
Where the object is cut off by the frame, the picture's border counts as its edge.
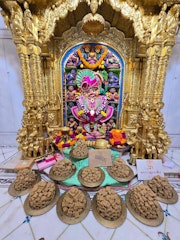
(41, 195)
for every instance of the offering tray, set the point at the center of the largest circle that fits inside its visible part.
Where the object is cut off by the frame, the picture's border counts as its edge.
(107, 223)
(91, 184)
(149, 222)
(71, 220)
(13, 192)
(59, 177)
(172, 200)
(36, 212)
(79, 150)
(76, 157)
(120, 179)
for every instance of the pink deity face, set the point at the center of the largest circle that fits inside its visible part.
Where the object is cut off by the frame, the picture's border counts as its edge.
(90, 87)
(92, 92)
(112, 90)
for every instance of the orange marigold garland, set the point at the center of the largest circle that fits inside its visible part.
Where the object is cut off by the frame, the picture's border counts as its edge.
(95, 65)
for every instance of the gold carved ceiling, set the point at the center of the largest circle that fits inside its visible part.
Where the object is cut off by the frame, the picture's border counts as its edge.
(120, 14)
(154, 23)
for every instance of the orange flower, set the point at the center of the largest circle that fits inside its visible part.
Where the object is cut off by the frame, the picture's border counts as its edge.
(94, 65)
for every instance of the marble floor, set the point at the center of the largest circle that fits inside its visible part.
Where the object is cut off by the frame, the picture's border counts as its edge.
(15, 224)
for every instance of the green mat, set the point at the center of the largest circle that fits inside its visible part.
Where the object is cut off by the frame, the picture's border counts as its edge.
(108, 181)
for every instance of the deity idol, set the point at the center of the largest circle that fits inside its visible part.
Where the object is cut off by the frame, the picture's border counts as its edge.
(92, 108)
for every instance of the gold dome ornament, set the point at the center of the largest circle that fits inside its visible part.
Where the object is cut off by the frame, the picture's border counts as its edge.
(93, 24)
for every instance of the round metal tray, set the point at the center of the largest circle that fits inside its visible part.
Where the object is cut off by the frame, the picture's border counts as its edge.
(172, 200)
(107, 223)
(36, 212)
(120, 179)
(149, 222)
(91, 184)
(71, 220)
(13, 192)
(59, 177)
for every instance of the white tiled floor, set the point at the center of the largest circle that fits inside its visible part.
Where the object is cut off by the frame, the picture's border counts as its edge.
(14, 224)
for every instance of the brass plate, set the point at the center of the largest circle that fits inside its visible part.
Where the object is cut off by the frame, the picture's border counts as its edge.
(149, 222)
(107, 223)
(71, 220)
(91, 184)
(13, 192)
(172, 200)
(36, 212)
(119, 179)
(123, 148)
(59, 177)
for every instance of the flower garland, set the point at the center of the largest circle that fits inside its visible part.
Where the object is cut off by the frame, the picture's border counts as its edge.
(95, 65)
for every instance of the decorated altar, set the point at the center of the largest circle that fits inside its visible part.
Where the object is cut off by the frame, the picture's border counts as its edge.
(97, 67)
(93, 74)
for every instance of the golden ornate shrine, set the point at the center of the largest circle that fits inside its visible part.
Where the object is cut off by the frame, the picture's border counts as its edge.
(141, 33)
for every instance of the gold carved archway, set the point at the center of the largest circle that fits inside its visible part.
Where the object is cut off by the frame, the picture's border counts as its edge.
(142, 32)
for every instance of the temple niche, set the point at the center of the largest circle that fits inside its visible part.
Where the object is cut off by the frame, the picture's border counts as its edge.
(93, 72)
(84, 68)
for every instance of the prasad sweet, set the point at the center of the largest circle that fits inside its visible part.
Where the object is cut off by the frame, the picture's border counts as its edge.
(119, 168)
(63, 168)
(160, 186)
(25, 179)
(41, 195)
(109, 204)
(74, 203)
(143, 201)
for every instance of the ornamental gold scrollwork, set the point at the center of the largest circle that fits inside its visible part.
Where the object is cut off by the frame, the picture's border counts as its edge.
(7, 21)
(94, 5)
(51, 118)
(144, 74)
(17, 22)
(47, 20)
(111, 36)
(163, 27)
(40, 27)
(30, 23)
(150, 140)
(132, 119)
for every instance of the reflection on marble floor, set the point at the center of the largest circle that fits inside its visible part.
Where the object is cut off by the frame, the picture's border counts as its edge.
(14, 223)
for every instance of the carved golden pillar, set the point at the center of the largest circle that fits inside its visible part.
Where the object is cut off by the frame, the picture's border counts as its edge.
(151, 73)
(25, 70)
(52, 92)
(136, 81)
(161, 73)
(125, 117)
(45, 77)
(36, 73)
(48, 74)
(130, 101)
(40, 79)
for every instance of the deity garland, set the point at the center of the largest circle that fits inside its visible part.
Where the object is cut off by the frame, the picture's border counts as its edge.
(92, 58)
